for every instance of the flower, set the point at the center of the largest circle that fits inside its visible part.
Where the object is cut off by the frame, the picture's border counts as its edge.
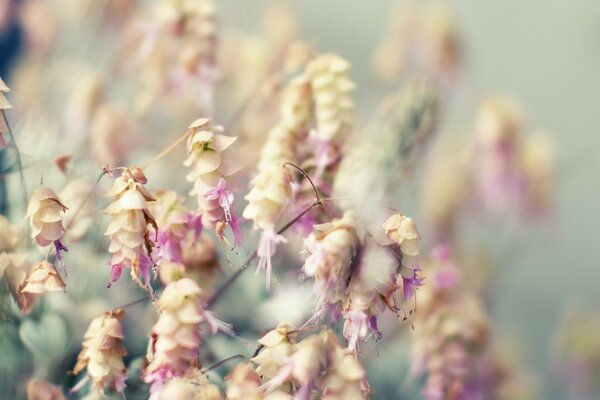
(42, 279)
(42, 390)
(172, 219)
(211, 166)
(276, 347)
(17, 268)
(175, 339)
(45, 211)
(102, 354)
(130, 243)
(78, 220)
(243, 383)
(328, 252)
(270, 194)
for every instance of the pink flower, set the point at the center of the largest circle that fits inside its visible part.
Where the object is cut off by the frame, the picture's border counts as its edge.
(269, 239)
(223, 195)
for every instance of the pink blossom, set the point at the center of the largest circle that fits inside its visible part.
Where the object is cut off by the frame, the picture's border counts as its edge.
(267, 246)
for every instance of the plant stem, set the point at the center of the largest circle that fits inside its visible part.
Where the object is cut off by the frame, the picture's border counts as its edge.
(219, 293)
(168, 149)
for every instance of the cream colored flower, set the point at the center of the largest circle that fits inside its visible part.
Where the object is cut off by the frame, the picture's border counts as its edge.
(102, 353)
(271, 193)
(42, 390)
(44, 278)
(45, 213)
(10, 235)
(285, 139)
(243, 383)
(111, 132)
(17, 268)
(211, 166)
(131, 245)
(192, 386)
(331, 88)
(175, 339)
(277, 346)
(346, 378)
(329, 251)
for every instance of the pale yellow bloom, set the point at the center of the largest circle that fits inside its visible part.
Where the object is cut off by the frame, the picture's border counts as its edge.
(271, 192)
(44, 278)
(102, 353)
(45, 213)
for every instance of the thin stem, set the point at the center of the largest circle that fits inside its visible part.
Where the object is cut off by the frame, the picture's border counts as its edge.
(87, 198)
(19, 162)
(219, 363)
(168, 149)
(246, 264)
(303, 172)
(134, 302)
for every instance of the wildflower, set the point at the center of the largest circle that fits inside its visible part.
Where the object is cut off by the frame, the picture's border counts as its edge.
(193, 386)
(175, 338)
(102, 354)
(42, 390)
(45, 213)
(277, 346)
(10, 235)
(345, 377)
(284, 140)
(243, 383)
(130, 243)
(211, 167)
(4, 105)
(172, 219)
(329, 251)
(17, 268)
(402, 231)
(270, 194)
(42, 279)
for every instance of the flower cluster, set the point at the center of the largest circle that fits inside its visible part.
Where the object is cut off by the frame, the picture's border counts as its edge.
(43, 278)
(45, 212)
(131, 245)
(175, 338)
(212, 166)
(270, 195)
(315, 364)
(103, 353)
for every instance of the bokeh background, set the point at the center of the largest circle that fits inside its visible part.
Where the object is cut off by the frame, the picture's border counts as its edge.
(546, 54)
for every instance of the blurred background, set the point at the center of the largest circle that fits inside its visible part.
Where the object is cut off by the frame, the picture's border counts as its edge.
(543, 53)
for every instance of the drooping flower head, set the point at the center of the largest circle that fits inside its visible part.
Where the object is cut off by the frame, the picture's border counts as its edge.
(45, 212)
(270, 195)
(131, 244)
(175, 339)
(43, 278)
(102, 354)
(212, 166)
(329, 252)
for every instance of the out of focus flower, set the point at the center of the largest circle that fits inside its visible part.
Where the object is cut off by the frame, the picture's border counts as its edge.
(270, 195)
(85, 99)
(175, 340)
(42, 390)
(212, 166)
(276, 346)
(243, 383)
(130, 243)
(201, 261)
(16, 268)
(79, 218)
(333, 106)
(44, 278)
(4, 105)
(422, 37)
(102, 354)
(284, 140)
(172, 219)
(319, 365)
(193, 386)
(10, 235)
(111, 131)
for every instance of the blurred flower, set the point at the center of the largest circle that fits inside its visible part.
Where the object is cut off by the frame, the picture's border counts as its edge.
(110, 132)
(80, 217)
(276, 347)
(42, 390)
(102, 354)
(271, 193)
(4, 105)
(43, 278)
